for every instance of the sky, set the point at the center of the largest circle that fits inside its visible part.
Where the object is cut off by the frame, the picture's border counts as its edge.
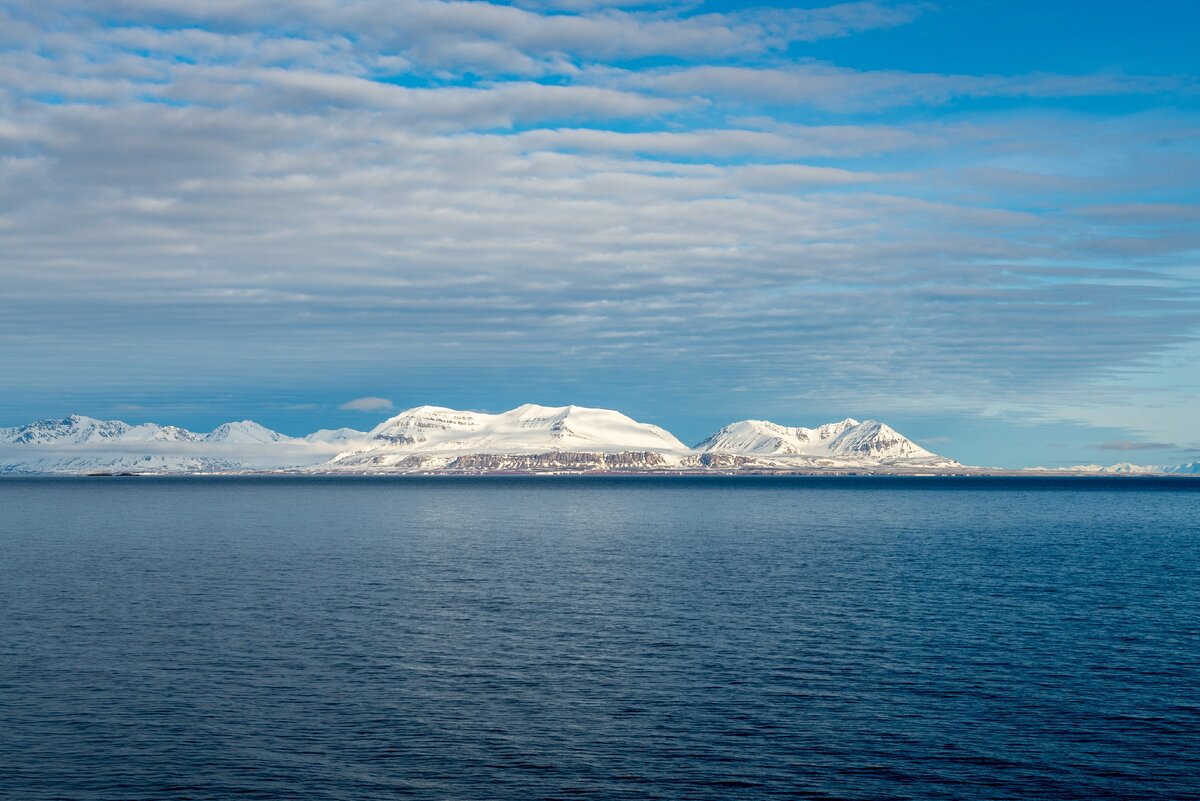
(976, 221)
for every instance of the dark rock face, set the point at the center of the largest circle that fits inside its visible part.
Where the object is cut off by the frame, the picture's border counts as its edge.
(557, 460)
(409, 463)
(725, 461)
(397, 439)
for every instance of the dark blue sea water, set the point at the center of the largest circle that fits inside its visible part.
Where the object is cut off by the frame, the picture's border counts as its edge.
(609, 639)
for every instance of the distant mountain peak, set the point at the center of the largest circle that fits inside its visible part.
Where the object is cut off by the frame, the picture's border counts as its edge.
(245, 432)
(336, 435)
(73, 429)
(848, 438)
(1128, 468)
(878, 440)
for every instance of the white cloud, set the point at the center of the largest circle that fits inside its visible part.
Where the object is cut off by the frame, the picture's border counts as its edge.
(1129, 445)
(839, 89)
(457, 35)
(367, 404)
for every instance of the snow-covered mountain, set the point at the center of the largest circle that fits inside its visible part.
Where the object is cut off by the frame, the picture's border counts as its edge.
(244, 433)
(79, 430)
(337, 436)
(1124, 469)
(1127, 468)
(847, 440)
(79, 444)
(527, 428)
(435, 439)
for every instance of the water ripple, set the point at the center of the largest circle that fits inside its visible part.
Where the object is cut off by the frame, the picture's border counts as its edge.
(624, 639)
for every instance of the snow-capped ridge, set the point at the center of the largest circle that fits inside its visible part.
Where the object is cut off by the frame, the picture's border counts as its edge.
(528, 428)
(334, 436)
(82, 444)
(76, 429)
(245, 432)
(849, 439)
(412, 426)
(1130, 469)
(878, 440)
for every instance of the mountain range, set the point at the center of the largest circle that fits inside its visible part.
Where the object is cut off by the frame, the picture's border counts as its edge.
(1128, 469)
(434, 439)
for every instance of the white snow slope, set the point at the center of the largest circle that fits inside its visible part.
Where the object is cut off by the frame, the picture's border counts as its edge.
(79, 444)
(439, 435)
(337, 435)
(848, 440)
(525, 429)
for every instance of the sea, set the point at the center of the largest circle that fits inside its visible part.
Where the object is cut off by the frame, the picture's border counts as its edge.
(530, 638)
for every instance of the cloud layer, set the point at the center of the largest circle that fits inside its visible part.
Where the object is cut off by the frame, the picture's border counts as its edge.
(320, 191)
(1127, 445)
(367, 404)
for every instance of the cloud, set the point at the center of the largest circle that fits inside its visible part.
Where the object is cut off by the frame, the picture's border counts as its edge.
(1129, 445)
(362, 238)
(840, 89)
(1145, 213)
(367, 404)
(491, 195)
(478, 37)
(777, 141)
